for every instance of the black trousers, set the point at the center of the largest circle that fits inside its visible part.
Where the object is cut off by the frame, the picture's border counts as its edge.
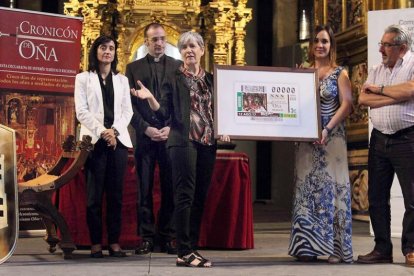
(389, 154)
(104, 170)
(192, 170)
(146, 158)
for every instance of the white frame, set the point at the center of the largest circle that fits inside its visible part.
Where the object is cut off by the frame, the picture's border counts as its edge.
(306, 125)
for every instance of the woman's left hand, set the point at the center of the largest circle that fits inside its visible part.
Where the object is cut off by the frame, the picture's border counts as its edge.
(142, 93)
(324, 138)
(108, 134)
(225, 138)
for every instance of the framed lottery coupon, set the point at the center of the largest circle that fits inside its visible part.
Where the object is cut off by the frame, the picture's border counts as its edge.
(266, 103)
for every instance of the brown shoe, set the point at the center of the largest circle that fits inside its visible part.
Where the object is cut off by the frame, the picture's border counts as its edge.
(303, 258)
(374, 257)
(409, 259)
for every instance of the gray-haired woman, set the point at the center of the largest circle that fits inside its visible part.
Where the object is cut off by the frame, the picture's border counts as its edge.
(188, 100)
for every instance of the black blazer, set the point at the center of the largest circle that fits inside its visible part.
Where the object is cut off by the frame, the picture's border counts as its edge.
(143, 115)
(175, 103)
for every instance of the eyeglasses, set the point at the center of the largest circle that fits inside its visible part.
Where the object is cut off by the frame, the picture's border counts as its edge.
(156, 38)
(387, 45)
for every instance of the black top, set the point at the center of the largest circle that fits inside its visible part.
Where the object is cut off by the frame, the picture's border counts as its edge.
(107, 89)
(157, 73)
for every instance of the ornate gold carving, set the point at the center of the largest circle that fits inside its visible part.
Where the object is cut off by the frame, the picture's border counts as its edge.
(355, 11)
(242, 17)
(95, 20)
(359, 183)
(334, 18)
(225, 23)
(221, 22)
(359, 75)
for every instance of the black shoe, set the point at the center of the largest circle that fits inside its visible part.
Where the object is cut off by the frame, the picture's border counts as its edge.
(169, 247)
(145, 248)
(97, 254)
(116, 254)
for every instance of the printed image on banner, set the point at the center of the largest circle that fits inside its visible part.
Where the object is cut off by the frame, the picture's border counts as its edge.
(40, 52)
(272, 103)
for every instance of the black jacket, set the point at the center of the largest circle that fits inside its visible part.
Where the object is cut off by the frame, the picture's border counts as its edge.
(143, 115)
(175, 103)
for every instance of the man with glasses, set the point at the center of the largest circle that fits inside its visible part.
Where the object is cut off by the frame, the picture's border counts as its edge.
(151, 137)
(389, 92)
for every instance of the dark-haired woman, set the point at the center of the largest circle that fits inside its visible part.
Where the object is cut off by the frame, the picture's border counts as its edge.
(103, 107)
(321, 219)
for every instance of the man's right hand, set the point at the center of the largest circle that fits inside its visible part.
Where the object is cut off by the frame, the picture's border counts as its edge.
(154, 133)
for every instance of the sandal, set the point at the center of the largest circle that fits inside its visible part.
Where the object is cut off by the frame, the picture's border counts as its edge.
(193, 260)
(334, 259)
(201, 257)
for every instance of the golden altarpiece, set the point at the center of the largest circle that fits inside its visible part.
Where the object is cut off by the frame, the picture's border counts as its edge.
(221, 22)
(349, 21)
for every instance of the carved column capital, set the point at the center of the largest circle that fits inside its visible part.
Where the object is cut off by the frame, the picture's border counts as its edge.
(225, 24)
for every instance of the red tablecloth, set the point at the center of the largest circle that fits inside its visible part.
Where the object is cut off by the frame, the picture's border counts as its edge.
(228, 215)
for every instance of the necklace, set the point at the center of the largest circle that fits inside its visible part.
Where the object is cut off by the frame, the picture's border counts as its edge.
(104, 77)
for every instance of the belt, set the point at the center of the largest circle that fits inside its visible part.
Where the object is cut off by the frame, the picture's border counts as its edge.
(400, 132)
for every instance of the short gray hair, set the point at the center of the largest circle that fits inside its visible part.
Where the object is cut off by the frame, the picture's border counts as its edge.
(403, 34)
(187, 36)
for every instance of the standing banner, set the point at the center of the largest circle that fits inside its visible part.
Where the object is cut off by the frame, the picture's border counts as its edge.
(377, 22)
(39, 59)
(8, 193)
(40, 52)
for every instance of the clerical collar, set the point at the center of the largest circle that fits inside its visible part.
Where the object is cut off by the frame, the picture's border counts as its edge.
(156, 60)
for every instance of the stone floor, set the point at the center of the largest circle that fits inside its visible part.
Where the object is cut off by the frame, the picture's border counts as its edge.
(269, 257)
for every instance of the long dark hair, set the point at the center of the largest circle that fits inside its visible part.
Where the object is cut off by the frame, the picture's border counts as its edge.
(93, 58)
(332, 50)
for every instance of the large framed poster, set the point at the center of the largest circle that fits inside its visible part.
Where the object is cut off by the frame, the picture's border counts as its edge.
(266, 103)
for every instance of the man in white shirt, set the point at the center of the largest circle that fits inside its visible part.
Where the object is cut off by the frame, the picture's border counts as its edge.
(389, 92)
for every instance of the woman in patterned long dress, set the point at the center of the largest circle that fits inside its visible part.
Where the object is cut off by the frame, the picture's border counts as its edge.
(321, 219)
